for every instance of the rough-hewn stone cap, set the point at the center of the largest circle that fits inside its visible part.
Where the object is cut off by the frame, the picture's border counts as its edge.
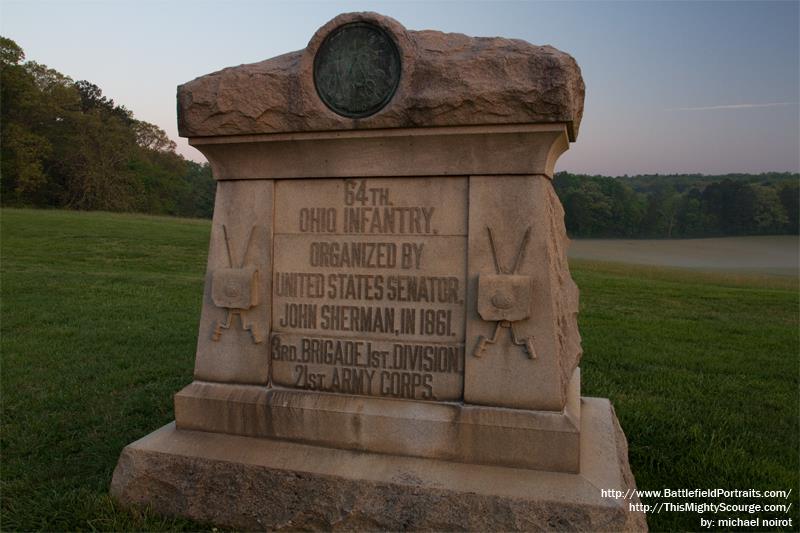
(447, 79)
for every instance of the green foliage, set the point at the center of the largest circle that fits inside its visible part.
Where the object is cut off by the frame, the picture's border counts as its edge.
(99, 326)
(10, 52)
(67, 145)
(26, 152)
(679, 206)
(789, 194)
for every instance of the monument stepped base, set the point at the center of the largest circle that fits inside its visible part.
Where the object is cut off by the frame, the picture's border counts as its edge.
(262, 484)
(450, 431)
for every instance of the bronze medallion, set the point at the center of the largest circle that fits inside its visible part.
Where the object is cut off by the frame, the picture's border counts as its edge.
(357, 69)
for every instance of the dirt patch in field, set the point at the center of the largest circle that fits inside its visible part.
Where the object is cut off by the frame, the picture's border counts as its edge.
(775, 255)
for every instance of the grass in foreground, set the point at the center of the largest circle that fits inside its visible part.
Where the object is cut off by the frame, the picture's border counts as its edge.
(703, 374)
(99, 318)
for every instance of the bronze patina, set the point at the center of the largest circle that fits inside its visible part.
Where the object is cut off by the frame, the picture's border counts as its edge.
(357, 69)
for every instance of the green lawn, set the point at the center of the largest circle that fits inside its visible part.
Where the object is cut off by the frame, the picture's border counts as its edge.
(100, 312)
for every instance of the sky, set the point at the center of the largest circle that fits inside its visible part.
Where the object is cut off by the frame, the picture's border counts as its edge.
(671, 87)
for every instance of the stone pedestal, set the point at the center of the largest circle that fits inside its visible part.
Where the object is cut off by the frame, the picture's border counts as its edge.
(388, 337)
(266, 484)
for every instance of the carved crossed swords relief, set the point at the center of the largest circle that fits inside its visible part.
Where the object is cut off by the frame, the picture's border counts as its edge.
(237, 290)
(505, 298)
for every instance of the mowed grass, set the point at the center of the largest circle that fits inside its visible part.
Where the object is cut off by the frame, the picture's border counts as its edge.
(703, 374)
(99, 317)
(98, 331)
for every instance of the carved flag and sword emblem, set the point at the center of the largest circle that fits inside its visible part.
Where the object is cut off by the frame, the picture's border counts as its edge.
(237, 290)
(505, 298)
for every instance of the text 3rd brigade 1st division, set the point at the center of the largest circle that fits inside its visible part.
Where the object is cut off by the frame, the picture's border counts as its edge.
(381, 276)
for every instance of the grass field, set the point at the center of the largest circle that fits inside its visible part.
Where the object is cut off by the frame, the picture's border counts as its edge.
(100, 312)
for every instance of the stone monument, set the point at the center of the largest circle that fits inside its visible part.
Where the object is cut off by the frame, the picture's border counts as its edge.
(388, 337)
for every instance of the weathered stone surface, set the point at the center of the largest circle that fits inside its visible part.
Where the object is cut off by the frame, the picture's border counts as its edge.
(233, 343)
(507, 373)
(318, 302)
(260, 484)
(448, 79)
(448, 431)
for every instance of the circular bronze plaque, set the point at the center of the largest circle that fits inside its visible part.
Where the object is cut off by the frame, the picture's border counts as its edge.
(357, 69)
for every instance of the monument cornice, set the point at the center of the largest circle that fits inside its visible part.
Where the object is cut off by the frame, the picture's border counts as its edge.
(508, 149)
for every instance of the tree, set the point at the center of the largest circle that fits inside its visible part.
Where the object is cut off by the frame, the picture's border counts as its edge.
(10, 52)
(789, 194)
(34, 98)
(198, 200)
(731, 206)
(151, 137)
(96, 164)
(690, 219)
(65, 144)
(587, 210)
(23, 156)
(669, 203)
(627, 209)
(690, 205)
(92, 99)
(769, 216)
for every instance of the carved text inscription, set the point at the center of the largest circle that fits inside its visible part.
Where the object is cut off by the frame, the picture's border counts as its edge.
(369, 286)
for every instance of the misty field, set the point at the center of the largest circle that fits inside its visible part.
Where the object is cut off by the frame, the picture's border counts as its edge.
(99, 324)
(767, 255)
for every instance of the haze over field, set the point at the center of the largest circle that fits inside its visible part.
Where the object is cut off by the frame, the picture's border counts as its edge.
(776, 255)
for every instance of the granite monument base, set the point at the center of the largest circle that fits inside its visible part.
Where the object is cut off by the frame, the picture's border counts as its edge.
(451, 431)
(263, 484)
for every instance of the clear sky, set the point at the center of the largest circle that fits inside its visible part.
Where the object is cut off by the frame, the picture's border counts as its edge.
(707, 87)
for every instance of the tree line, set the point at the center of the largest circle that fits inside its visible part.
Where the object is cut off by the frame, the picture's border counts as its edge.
(65, 145)
(679, 206)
